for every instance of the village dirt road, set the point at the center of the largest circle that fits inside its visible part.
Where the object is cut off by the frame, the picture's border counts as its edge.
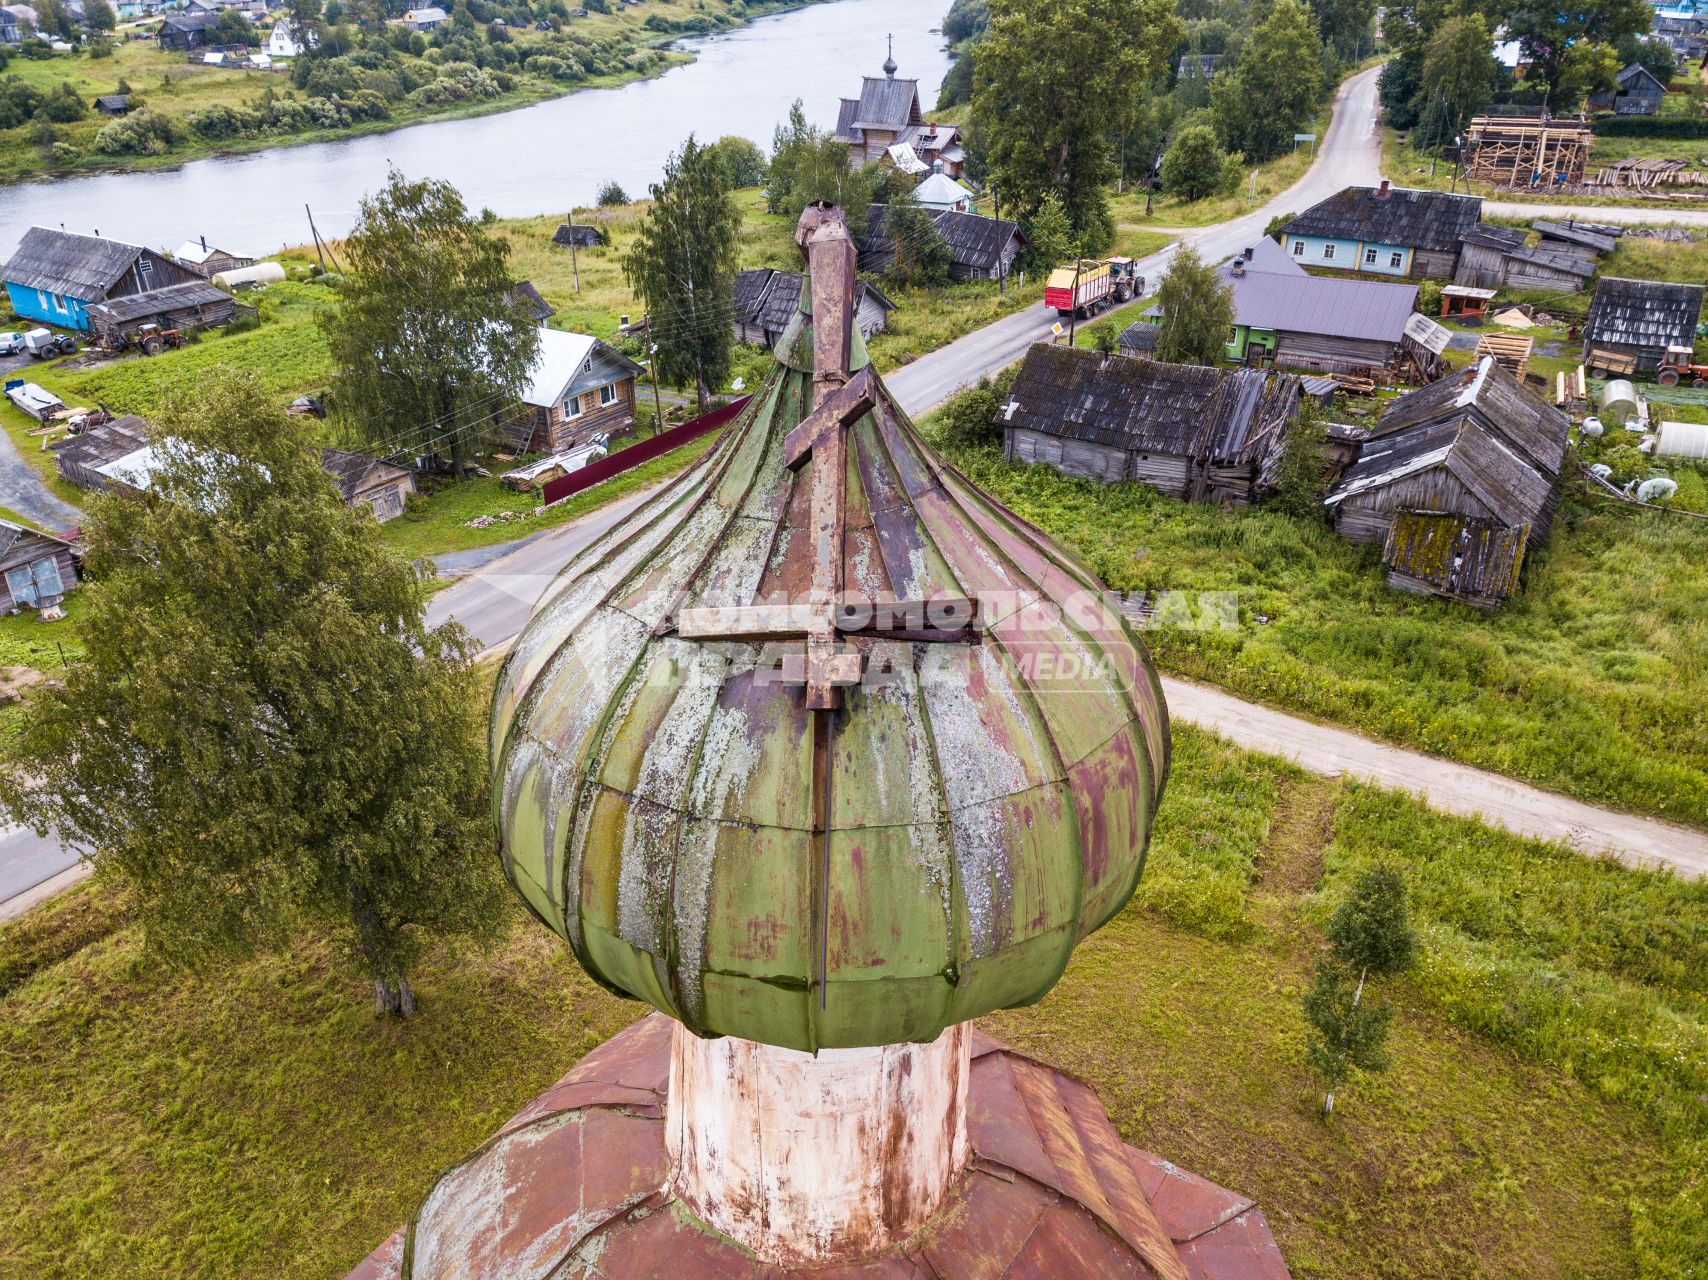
(22, 490)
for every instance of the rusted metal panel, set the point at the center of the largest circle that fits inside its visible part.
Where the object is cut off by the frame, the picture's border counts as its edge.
(578, 1185)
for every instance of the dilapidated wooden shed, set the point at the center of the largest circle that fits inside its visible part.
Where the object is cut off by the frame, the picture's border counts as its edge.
(192, 305)
(1641, 319)
(764, 301)
(1190, 432)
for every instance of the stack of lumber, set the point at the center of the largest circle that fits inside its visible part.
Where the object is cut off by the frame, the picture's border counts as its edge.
(1510, 350)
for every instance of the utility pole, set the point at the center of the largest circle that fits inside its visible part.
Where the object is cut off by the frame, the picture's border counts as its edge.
(1073, 312)
(652, 363)
(1001, 274)
(574, 264)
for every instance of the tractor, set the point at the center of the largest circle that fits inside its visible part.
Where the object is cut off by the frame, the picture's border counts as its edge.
(151, 339)
(1680, 366)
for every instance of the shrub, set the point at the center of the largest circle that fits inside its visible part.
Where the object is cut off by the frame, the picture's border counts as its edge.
(611, 194)
(141, 133)
(220, 121)
(743, 162)
(1195, 166)
(65, 153)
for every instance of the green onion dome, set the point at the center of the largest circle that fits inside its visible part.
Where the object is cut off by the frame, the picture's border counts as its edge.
(931, 849)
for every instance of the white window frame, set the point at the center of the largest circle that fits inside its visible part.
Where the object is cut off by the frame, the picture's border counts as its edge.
(1397, 258)
(572, 406)
(28, 583)
(1370, 257)
(1328, 253)
(1298, 248)
(607, 394)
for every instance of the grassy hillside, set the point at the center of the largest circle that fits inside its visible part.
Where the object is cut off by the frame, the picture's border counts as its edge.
(258, 1122)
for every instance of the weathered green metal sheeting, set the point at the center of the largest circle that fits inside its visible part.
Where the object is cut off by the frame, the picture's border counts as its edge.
(988, 805)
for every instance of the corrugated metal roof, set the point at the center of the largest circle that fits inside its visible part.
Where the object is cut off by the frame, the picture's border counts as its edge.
(1320, 305)
(558, 360)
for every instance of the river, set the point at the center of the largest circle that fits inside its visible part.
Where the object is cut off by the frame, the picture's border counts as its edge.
(544, 158)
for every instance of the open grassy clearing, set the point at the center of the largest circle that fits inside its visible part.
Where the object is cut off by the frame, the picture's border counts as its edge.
(1588, 681)
(259, 1122)
(169, 83)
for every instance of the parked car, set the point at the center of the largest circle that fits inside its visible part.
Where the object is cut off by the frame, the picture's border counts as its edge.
(44, 345)
(11, 344)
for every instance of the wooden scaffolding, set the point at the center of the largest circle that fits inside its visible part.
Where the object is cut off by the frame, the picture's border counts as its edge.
(1527, 151)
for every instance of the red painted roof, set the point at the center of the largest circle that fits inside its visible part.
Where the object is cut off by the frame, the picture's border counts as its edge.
(578, 1177)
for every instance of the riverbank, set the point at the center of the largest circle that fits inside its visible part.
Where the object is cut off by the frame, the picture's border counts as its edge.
(203, 104)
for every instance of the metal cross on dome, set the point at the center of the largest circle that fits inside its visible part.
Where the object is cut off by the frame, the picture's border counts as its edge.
(840, 399)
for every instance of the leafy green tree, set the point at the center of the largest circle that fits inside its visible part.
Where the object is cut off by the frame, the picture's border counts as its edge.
(1588, 67)
(808, 165)
(99, 15)
(743, 162)
(232, 27)
(1195, 166)
(1651, 52)
(429, 346)
(1548, 32)
(1278, 85)
(966, 20)
(1301, 477)
(1197, 312)
(1342, 1032)
(1105, 337)
(264, 737)
(682, 266)
(1345, 24)
(970, 417)
(1372, 937)
(1050, 234)
(611, 194)
(1460, 69)
(1054, 83)
(921, 256)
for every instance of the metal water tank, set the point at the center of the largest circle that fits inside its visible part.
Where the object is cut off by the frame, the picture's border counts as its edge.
(1618, 402)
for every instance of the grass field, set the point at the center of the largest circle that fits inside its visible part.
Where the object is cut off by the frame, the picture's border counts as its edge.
(170, 84)
(1587, 682)
(258, 1122)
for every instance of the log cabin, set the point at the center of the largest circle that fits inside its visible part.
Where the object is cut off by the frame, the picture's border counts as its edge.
(1385, 230)
(578, 388)
(887, 117)
(56, 276)
(980, 248)
(1641, 319)
(37, 570)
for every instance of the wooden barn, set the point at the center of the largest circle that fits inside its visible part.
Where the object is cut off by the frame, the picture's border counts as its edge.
(364, 482)
(1445, 466)
(1384, 230)
(1194, 433)
(207, 260)
(980, 248)
(1502, 257)
(578, 236)
(578, 388)
(523, 294)
(181, 32)
(1637, 91)
(56, 276)
(766, 300)
(190, 305)
(1641, 319)
(80, 458)
(37, 570)
(1284, 316)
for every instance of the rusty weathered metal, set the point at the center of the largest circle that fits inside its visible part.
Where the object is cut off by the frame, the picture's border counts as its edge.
(1051, 1192)
(979, 800)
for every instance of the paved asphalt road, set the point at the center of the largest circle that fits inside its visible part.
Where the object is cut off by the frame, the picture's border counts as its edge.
(494, 601)
(22, 490)
(1624, 215)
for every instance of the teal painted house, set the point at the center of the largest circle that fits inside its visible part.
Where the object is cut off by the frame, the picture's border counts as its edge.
(56, 276)
(1383, 231)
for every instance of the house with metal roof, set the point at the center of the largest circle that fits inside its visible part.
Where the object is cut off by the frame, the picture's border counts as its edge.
(578, 388)
(941, 192)
(765, 300)
(1384, 230)
(887, 115)
(1285, 316)
(1190, 432)
(1641, 319)
(208, 260)
(1455, 482)
(980, 248)
(57, 276)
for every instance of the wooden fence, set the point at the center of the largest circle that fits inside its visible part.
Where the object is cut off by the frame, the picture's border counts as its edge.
(615, 464)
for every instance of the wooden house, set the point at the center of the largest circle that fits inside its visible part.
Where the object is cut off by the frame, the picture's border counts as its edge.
(112, 104)
(1284, 316)
(941, 192)
(578, 236)
(364, 482)
(181, 32)
(524, 295)
(1197, 66)
(766, 300)
(1496, 257)
(56, 276)
(1389, 231)
(208, 261)
(1445, 470)
(887, 115)
(37, 570)
(81, 458)
(190, 304)
(578, 388)
(1637, 91)
(423, 20)
(1641, 319)
(980, 248)
(1199, 434)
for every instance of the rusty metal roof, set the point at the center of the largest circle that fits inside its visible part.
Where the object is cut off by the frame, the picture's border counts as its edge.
(929, 851)
(574, 1187)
